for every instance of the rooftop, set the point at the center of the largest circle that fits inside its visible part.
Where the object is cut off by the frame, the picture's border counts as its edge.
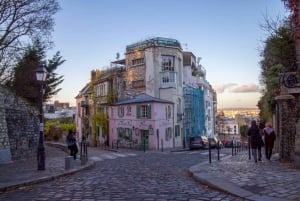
(142, 98)
(153, 42)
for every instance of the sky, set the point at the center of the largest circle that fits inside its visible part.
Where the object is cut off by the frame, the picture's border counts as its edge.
(227, 35)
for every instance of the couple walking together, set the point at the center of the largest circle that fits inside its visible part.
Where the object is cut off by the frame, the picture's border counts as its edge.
(256, 140)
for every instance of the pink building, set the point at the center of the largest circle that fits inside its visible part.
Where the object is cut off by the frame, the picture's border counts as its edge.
(141, 120)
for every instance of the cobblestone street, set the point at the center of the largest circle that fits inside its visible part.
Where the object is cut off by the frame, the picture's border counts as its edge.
(149, 176)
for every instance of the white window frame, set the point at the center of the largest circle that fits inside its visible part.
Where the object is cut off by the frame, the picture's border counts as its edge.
(167, 63)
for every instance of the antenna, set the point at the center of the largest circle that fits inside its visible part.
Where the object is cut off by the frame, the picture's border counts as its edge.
(186, 46)
(117, 56)
(198, 60)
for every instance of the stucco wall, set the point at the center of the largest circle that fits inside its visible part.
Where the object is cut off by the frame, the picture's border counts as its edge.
(158, 121)
(19, 129)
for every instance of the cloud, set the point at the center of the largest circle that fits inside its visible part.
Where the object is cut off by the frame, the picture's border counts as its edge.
(246, 88)
(235, 88)
(220, 88)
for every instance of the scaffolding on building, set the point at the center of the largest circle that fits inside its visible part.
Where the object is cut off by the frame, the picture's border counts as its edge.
(194, 113)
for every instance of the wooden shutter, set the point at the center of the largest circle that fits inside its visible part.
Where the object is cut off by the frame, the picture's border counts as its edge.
(138, 111)
(149, 111)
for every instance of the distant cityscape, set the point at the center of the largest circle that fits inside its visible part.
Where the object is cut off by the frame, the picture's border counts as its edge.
(247, 112)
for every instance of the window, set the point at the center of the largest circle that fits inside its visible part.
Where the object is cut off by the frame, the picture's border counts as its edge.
(143, 111)
(168, 79)
(168, 135)
(138, 84)
(101, 89)
(136, 62)
(178, 106)
(168, 75)
(120, 111)
(167, 63)
(168, 112)
(177, 131)
(101, 109)
(128, 110)
(79, 109)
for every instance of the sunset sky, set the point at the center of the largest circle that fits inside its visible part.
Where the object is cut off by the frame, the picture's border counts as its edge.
(227, 35)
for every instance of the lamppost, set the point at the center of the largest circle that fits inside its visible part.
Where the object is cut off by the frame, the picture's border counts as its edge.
(41, 74)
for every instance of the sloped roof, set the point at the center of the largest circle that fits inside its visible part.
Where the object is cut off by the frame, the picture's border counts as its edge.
(85, 90)
(142, 98)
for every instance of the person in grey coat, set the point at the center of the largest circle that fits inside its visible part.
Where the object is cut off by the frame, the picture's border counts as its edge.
(255, 141)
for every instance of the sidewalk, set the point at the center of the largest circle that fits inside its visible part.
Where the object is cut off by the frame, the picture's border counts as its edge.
(263, 181)
(24, 172)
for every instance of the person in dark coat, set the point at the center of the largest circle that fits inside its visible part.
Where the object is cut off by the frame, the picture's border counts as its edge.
(270, 137)
(256, 140)
(72, 145)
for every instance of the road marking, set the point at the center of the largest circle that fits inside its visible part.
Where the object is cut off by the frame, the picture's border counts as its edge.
(119, 155)
(131, 154)
(194, 152)
(95, 158)
(107, 156)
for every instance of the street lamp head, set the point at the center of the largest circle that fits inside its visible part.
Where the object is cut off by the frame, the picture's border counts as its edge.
(41, 73)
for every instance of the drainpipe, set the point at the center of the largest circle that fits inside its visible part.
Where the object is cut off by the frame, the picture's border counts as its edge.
(173, 126)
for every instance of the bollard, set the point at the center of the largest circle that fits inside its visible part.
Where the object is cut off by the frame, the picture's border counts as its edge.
(144, 145)
(235, 148)
(83, 160)
(80, 149)
(209, 151)
(68, 162)
(232, 147)
(83, 153)
(249, 141)
(86, 152)
(162, 146)
(218, 147)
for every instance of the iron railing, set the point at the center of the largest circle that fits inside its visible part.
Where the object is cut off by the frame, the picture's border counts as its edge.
(290, 77)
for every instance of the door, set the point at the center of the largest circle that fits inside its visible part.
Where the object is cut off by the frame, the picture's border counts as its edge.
(144, 139)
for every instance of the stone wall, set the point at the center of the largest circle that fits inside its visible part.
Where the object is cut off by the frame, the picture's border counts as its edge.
(19, 129)
(287, 126)
(297, 137)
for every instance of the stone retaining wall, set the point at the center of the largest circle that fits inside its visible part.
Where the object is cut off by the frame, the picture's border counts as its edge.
(19, 127)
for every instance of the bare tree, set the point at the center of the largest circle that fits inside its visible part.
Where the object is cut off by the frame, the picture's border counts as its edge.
(20, 21)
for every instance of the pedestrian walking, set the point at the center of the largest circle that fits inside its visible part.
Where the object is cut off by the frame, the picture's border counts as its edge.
(270, 137)
(72, 144)
(255, 141)
(261, 129)
(261, 126)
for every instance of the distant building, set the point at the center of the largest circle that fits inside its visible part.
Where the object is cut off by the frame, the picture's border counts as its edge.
(59, 106)
(58, 110)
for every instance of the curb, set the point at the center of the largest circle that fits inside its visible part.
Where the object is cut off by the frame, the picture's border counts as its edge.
(90, 164)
